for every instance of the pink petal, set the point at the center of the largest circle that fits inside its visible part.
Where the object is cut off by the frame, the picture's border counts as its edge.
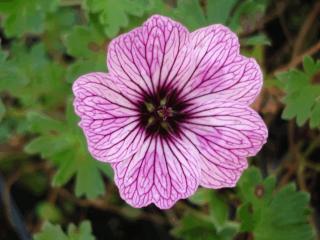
(108, 118)
(162, 172)
(227, 133)
(218, 70)
(149, 56)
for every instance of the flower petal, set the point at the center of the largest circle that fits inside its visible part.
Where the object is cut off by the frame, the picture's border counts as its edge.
(162, 172)
(227, 133)
(149, 56)
(218, 70)
(108, 119)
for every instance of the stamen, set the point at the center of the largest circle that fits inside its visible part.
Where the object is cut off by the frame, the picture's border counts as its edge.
(149, 106)
(166, 126)
(163, 102)
(150, 121)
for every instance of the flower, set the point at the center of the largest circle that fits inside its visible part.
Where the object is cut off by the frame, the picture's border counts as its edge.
(173, 112)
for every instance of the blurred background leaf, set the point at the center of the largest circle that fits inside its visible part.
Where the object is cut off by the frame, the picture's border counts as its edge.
(270, 214)
(302, 98)
(54, 232)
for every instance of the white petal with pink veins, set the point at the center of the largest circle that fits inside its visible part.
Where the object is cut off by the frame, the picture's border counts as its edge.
(108, 118)
(218, 70)
(149, 56)
(227, 133)
(161, 172)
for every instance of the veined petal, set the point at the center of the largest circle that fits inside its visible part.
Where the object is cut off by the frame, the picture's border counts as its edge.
(162, 172)
(108, 118)
(227, 133)
(218, 70)
(149, 56)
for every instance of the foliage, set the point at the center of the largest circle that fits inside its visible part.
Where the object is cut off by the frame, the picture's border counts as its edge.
(47, 211)
(64, 145)
(302, 93)
(265, 212)
(25, 16)
(54, 232)
(113, 14)
(2, 110)
(87, 45)
(214, 225)
(271, 214)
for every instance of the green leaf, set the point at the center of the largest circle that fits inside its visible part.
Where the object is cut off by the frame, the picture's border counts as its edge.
(84, 232)
(302, 93)
(47, 146)
(160, 7)
(189, 13)
(114, 14)
(40, 123)
(54, 232)
(218, 11)
(27, 73)
(57, 26)
(281, 215)
(88, 179)
(193, 227)
(218, 209)
(259, 39)
(3, 54)
(67, 168)
(25, 16)
(315, 120)
(311, 67)
(48, 211)
(197, 227)
(63, 143)
(246, 215)
(11, 76)
(246, 13)
(87, 44)
(50, 232)
(81, 67)
(2, 110)
(286, 218)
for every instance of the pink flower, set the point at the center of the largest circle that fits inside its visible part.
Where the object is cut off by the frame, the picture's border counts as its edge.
(172, 113)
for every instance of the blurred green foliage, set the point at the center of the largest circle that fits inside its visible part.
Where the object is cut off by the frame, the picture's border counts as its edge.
(265, 212)
(64, 145)
(302, 98)
(271, 214)
(54, 232)
(51, 43)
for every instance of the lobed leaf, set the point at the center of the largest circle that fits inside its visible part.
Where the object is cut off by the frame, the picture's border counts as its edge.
(25, 16)
(114, 15)
(54, 232)
(64, 144)
(302, 100)
(270, 214)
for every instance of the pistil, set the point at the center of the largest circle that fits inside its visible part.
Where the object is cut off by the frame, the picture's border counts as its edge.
(165, 112)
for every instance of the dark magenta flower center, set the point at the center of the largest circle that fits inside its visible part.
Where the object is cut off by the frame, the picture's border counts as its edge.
(162, 113)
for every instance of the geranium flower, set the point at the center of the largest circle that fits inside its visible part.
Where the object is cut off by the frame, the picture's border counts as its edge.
(172, 113)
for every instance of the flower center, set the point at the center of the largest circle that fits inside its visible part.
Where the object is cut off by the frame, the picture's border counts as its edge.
(162, 113)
